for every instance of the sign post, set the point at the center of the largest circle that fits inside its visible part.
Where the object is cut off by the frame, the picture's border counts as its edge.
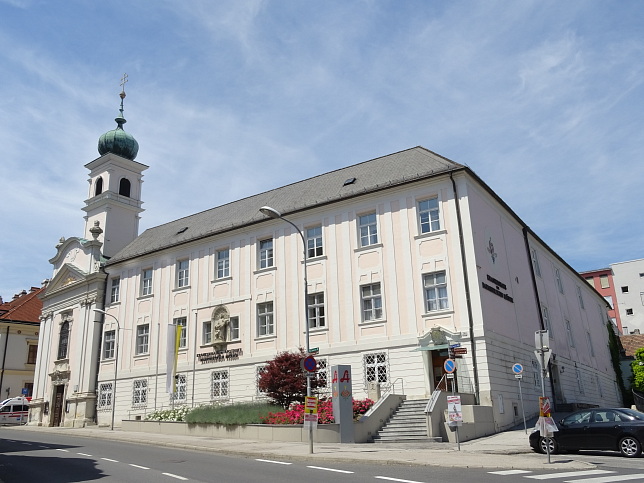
(545, 423)
(454, 414)
(517, 369)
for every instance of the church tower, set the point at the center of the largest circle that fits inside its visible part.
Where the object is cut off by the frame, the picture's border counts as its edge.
(115, 180)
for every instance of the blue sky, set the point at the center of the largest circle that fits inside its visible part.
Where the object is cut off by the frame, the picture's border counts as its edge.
(542, 99)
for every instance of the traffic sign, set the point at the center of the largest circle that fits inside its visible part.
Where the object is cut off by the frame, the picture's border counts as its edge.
(309, 364)
(314, 350)
(449, 365)
(454, 346)
(517, 368)
(460, 350)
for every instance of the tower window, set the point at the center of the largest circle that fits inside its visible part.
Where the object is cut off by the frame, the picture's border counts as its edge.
(99, 187)
(124, 187)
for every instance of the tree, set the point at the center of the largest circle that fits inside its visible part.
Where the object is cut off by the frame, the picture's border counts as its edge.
(283, 379)
(638, 370)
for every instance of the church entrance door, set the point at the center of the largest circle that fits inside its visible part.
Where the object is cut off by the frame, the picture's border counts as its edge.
(58, 405)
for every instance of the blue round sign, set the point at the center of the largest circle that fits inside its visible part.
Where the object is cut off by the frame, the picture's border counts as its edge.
(517, 368)
(309, 364)
(449, 365)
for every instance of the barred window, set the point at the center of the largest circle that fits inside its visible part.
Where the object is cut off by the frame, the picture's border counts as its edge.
(105, 396)
(219, 385)
(323, 374)
(140, 393)
(375, 367)
(259, 370)
(181, 388)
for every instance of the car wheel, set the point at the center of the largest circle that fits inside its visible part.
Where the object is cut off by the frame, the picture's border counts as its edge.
(543, 445)
(630, 447)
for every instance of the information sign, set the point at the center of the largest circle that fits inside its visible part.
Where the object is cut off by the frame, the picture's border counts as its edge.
(454, 413)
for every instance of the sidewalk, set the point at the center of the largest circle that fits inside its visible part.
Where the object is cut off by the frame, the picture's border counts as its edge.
(507, 450)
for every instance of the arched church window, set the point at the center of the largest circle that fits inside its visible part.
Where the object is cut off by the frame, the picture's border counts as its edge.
(63, 340)
(124, 187)
(99, 186)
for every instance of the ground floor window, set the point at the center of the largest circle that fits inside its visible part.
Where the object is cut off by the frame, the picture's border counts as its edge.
(105, 396)
(375, 367)
(219, 385)
(180, 388)
(140, 393)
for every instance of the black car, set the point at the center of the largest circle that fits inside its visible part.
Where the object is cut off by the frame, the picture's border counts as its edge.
(616, 429)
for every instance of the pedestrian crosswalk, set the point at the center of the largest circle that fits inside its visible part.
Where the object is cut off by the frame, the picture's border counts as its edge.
(582, 476)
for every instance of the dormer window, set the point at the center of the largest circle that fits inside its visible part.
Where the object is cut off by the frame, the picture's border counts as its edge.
(124, 187)
(98, 189)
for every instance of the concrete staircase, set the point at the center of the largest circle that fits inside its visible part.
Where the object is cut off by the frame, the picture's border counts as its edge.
(407, 424)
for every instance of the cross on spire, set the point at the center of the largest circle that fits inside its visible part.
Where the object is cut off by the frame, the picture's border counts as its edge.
(123, 81)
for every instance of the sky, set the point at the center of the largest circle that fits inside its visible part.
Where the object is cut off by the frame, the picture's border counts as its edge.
(541, 99)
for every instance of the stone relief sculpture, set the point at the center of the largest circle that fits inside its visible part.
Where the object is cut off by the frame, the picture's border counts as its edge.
(220, 320)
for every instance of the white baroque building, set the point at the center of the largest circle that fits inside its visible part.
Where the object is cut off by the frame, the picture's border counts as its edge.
(407, 254)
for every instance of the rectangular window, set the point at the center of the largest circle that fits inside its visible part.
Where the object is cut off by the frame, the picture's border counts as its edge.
(609, 299)
(180, 388)
(625, 289)
(590, 281)
(429, 215)
(535, 262)
(590, 344)
(546, 320)
(183, 273)
(368, 229)
(206, 337)
(571, 342)
(223, 263)
(259, 370)
(581, 298)
(629, 311)
(32, 353)
(580, 383)
(142, 339)
(183, 323)
(115, 289)
(234, 328)
(105, 396)
(371, 302)
(314, 242)
(266, 253)
(599, 386)
(322, 374)
(109, 341)
(435, 285)
(375, 367)
(559, 281)
(265, 319)
(219, 385)
(603, 281)
(316, 311)
(146, 282)
(536, 374)
(140, 393)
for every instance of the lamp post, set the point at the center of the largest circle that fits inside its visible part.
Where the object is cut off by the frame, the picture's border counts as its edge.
(273, 213)
(116, 359)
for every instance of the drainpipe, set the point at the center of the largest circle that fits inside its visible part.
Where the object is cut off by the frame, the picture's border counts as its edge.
(4, 358)
(538, 302)
(468, 299)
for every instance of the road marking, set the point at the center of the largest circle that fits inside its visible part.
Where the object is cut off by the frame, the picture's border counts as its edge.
(107, 459)
(329, 469)
(138, 466)
(396, 479)
(608, 479)
(274, 462)
(9, 440)
(63, 450)
(569, 473)
(509, 472)
(84, 454)
(174, 476)
(41, 446)
(26, 444)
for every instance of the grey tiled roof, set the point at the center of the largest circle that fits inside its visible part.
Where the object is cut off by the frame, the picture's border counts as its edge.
(391, 170)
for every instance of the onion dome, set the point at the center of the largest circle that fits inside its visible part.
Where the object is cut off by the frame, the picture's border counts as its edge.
(117, 141)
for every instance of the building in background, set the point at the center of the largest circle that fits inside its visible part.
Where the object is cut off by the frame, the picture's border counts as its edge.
(408, 256)
(19, 326)
(602, 280)
(629, 287)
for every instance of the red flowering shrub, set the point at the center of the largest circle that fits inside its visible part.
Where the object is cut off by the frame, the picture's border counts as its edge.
(295, 415)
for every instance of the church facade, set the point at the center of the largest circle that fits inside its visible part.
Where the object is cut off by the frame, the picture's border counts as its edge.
(409, 259)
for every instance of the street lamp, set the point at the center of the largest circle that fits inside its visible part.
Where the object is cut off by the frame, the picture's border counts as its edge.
(116, 360)
(273, 213)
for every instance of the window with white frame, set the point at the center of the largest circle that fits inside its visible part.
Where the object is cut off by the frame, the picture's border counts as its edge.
(429, 215)
(571, 341)
(223, 263)
(265, 319)
(581, 298)
(233, 326)
(183, 273)
(180, 388)
(371, 298)
(535, 262)
(265, 253)
(259, 370)
(115, 290)
(546, 320)
(435, 286)
(109, 341)
(559, 281)
(316, 311)
(375, 367)
(219, 385)
(314, 242)
(105, 396)
(590, 344)
(322, 375)
(142, 339)
(146, 282)
(183, 338)
(206, 333)
(368, 229)
(139, 392)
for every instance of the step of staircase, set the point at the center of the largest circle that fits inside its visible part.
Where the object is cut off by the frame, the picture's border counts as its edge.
(407, 424)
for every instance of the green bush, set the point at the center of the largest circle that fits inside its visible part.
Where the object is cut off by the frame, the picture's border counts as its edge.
(240, 413)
